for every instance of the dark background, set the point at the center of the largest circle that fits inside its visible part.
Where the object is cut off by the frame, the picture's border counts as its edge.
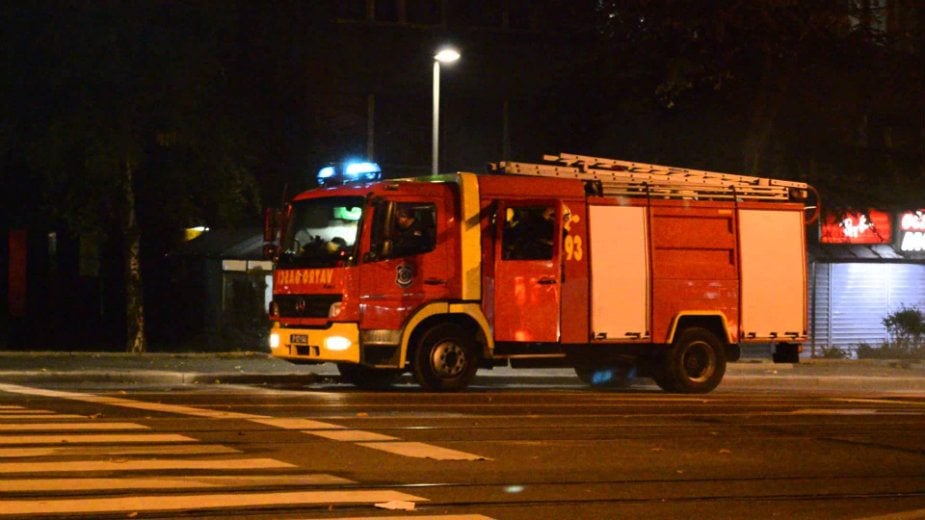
(219, 109)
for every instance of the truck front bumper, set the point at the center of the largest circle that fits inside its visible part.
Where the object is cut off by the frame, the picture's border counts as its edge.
(338, 343)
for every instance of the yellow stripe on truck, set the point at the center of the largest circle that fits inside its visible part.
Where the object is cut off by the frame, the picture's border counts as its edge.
(470, 238)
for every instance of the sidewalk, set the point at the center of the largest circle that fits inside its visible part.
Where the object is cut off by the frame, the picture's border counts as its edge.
(260, 368)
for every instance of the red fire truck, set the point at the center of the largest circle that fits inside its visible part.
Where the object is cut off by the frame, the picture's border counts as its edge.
(613, 268)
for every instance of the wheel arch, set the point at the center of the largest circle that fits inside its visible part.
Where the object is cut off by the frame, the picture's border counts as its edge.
(713, 321)
(468, 315)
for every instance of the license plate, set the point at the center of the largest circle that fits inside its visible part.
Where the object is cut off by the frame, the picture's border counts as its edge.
(298, 339)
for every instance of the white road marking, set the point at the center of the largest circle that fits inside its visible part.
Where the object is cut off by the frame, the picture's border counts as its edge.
(196, 502)
(6, 411)
(143, 464)
(407, 449)
(417, 517)
(179, 482)
(351, 435)
(45, 427)
(296, 424)
(880, 401)
(128, 403)
(94, 438)
(96, 451)
(11, 407)
(421, 450)
(917, 514)
(70, 445)
(835, 411)
(6, 416)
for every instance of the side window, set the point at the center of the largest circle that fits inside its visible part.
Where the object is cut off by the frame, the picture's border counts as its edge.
(413, 229)
(528, 233)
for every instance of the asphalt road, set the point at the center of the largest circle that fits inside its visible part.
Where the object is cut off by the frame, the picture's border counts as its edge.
(505, 449)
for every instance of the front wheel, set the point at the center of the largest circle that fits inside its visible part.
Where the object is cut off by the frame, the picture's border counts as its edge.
(694, 364)
(446, 358)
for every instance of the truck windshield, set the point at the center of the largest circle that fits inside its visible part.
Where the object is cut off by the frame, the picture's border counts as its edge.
(322, 233)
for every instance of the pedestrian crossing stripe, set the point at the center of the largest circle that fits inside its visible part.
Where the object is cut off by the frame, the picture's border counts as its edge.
(421, 450)
(25, 415)
(418, 517)
(350, 435)
(78, 438)
(127, 403)
(71, 426)
(308, 426)
(150, 503)
(96, 451)
(111, 484)
(82, 466)
(93, 438)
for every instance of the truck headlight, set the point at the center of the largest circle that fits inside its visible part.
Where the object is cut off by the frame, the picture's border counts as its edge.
(337, 343)
(274, 340)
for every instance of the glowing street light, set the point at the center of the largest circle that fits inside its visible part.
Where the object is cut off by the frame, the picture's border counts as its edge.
(446, 55)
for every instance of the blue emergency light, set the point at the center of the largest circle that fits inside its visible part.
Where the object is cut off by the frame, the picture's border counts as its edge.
(349, 171)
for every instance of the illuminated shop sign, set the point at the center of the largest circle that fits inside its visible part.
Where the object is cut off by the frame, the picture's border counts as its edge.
(872, 227)
(912, 231)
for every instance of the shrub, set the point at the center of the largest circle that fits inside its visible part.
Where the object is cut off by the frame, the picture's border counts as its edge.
(906, 328)
(831, 352)
(887, 350)
(865, 351)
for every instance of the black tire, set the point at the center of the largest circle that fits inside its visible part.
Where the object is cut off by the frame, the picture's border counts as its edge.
(617, 376)
(446, 358)
(367, 378)
(694, 364)
(662, 375)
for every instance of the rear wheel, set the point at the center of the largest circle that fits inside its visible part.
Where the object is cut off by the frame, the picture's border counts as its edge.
(695, 363)
(367, 378)
(446, 358)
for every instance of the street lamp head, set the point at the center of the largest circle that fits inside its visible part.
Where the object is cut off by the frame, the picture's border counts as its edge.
(447, 55)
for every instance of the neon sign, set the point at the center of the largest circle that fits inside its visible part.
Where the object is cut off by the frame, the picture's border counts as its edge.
(872, 227)
(912, 231)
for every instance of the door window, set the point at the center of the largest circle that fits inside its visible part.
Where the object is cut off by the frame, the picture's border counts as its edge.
(528, 233)
(403, 229)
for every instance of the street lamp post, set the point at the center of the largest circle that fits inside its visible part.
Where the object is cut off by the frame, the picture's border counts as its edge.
(446, 55)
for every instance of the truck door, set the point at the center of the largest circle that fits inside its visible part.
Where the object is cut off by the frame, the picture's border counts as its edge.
(410, 265)
(528, 272)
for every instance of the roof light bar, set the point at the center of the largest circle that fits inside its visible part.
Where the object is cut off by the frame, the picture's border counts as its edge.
(349, 171)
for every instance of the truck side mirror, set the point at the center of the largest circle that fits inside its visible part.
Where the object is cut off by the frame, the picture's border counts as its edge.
(271, 218)
(385, 250)
(273, 222)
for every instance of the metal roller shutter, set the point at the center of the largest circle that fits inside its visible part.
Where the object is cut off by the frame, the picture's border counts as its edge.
(851, 300)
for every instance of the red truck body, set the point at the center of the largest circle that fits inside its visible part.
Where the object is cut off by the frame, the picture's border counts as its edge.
(613, 268)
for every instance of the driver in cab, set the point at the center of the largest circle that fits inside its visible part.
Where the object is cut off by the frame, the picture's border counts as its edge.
(408, 236)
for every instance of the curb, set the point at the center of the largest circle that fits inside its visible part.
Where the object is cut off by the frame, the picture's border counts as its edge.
(157, 377)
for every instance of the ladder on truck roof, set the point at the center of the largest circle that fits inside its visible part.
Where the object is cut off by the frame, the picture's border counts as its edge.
(613, 177)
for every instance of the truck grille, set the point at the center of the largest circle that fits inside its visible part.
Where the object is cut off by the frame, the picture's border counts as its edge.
(305, 305)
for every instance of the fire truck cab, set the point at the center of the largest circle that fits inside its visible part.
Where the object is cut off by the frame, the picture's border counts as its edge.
(613, 268)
